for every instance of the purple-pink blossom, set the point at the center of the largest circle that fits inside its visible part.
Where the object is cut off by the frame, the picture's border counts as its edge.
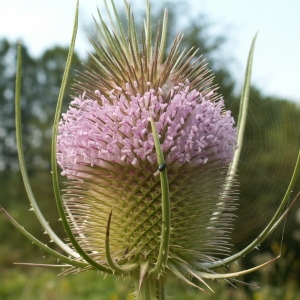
(192, 127)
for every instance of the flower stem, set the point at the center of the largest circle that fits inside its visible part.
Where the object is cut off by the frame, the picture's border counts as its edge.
(151, 288)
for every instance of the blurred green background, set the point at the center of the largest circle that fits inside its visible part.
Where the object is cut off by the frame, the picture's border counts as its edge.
(269, 153)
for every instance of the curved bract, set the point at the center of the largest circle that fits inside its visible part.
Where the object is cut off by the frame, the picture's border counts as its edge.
(149, 153)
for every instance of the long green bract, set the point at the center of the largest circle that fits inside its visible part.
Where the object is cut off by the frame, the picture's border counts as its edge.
(22, 164)
(56, 188)
(242, 118)
(278, 217)
(275, 221)
(40, 244)
(166, 213)
(114, 266)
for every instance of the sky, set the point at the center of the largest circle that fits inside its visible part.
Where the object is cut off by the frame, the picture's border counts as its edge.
(42, 24)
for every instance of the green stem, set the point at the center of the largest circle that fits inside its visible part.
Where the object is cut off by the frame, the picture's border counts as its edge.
(151, 288)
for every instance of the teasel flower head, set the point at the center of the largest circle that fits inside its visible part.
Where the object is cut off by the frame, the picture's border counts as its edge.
(106, 149)
(149, 153)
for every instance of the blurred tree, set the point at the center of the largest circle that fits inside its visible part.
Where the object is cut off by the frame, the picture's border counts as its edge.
(40, 86)
(8, 157)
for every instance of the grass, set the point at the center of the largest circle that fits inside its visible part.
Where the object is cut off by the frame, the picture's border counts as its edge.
(41, 284)
(44, 284)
